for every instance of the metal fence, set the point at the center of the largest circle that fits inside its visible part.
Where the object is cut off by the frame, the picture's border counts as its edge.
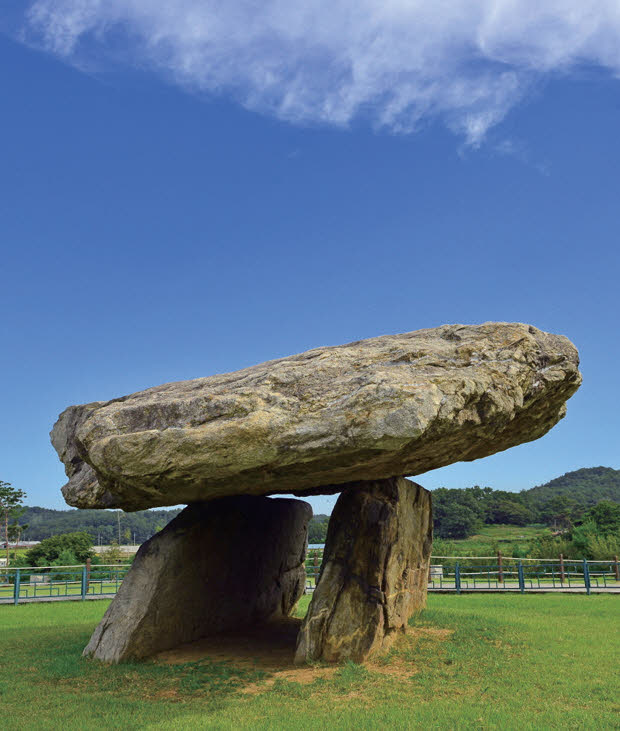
(525, 576)
(499, 573)
(446, 574)
(54, 583)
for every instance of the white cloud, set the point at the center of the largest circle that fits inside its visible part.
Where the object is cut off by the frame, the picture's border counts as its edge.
(395, 62)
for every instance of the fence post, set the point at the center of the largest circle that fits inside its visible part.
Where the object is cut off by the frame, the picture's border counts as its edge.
(457, 578)
(87, 574)
(562, 575)
(83, 582)
(16, 586)
(500, 567)
(616, 568)
(586, 575)
(521, 578)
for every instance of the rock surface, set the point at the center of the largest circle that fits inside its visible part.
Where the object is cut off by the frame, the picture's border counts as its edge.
(217, 566)
(374, 573)
(392, 405)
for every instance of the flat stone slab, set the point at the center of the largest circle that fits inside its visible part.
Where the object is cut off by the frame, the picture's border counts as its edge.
(219, 566)
(392, 405)
(374, 574)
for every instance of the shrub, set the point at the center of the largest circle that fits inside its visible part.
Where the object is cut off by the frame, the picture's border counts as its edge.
(79, 545)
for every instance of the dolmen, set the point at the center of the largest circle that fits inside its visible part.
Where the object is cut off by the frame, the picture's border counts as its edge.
(352, 419)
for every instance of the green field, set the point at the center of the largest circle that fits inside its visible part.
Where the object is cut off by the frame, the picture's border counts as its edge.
(484, 661)
(490, 539)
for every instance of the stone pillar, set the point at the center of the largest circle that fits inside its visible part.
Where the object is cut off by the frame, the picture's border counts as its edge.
(218, 566)
(374, 573)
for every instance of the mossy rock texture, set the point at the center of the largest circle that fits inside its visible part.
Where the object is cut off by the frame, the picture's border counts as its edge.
(369, 410)
(217, 567)
(374, 574)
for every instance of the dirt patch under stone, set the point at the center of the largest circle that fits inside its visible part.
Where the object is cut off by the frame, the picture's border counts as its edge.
(436, 633)
(268, 646)
(271, 647)
(397, 666)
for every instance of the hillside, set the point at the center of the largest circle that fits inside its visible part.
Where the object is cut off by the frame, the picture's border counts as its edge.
(457, 512)
(586, 486)
(103, 525)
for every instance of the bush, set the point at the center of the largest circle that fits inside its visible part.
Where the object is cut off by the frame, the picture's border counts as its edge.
(76, 546)
(605, 516)
(457, 521)
(66, 558)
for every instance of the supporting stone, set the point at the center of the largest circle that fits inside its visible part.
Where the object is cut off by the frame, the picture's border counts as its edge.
(218, 566)
(374, 573)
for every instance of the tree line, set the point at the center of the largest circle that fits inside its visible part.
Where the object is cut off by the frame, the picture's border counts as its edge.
(561, 503)
(104, 526)
(566, 503)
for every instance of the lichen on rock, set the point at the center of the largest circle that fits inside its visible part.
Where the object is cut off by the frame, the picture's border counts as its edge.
(374, 574)
(391, 405)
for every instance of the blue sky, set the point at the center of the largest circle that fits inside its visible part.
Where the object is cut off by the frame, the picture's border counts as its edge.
(159, 225)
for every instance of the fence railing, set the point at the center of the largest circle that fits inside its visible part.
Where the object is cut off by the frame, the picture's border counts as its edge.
(501, 573)
(519, 576)
(49, 583)
(446, 574)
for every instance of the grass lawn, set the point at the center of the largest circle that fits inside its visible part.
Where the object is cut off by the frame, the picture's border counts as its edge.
(490, 538)
(470, 661)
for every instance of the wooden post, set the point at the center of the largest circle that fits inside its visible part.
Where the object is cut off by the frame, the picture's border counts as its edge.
(562, 575)
(500, 567)
(616, 568)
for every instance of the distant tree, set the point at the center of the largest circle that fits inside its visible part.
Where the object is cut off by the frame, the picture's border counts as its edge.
(16, 530)
(112, 554)
(605, 516)
(457, 513)
(66, 558)
(561, 512)
(50, 549)
(11, 500)
(512, 512)
(459, 521)
(317, 530)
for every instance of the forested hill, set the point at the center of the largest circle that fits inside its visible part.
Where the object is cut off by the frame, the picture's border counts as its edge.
(457, 512)
(586, 487)
(562, 503)
(103, 525)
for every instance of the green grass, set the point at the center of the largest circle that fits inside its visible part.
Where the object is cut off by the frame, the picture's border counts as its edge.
(498, 662)
(490, 539)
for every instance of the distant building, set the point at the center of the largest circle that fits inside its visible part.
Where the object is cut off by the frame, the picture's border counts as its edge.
(128, 550)
(21, 544)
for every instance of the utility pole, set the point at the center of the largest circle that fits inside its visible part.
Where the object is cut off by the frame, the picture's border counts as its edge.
(118, 517)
